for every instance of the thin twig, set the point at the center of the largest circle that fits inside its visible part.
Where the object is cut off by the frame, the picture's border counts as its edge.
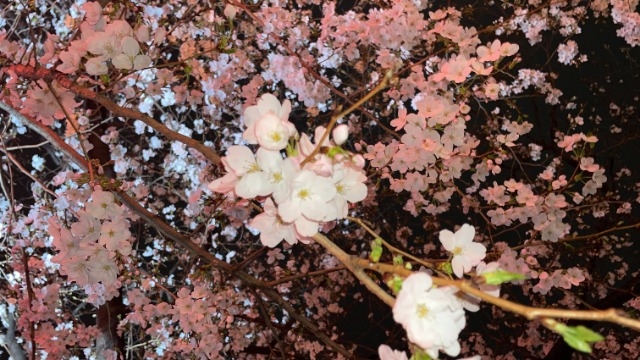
(28, 174)
(48, 75)
(388, 78)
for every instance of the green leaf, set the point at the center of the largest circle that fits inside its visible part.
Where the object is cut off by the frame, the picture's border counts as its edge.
(501, 276)
(398, 260)
(446, 268)
(578, 337)
(335, 150)
(577, 344)
(587, 334)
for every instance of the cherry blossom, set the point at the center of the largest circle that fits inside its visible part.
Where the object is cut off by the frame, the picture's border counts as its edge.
(432, 317)
(308, 202)
(168, 89)
(466, 253)
(272, 228)
(350, 187)
(340, 134)
(268, 106)
(103, 205)
(387, 353)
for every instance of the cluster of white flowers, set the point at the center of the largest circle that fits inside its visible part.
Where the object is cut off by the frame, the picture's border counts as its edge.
(298, 191)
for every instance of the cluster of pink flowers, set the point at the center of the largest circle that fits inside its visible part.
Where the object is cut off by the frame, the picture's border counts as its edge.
(90, 250)
(114, 43)
(298, 191)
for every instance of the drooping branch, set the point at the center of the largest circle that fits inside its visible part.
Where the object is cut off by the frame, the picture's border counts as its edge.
(354, 267)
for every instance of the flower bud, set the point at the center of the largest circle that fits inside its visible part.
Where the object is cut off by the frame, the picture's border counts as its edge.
(340, 134)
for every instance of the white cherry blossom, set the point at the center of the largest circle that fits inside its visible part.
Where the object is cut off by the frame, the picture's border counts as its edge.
(267, 105)
(307, 204)
(433, 317)
(466, 253)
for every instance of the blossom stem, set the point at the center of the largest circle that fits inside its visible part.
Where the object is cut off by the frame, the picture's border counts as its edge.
(389, 246)
(388, 78)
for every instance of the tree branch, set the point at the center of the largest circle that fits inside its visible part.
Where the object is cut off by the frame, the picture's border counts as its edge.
(48, 75)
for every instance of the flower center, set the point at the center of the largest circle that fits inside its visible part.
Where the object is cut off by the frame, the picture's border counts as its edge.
(276, 177)
(422, 310)
(254, 167)
(457, 250)
(275, 136)
(304, 194)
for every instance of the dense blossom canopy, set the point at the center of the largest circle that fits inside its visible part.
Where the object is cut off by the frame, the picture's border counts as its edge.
(319, 179)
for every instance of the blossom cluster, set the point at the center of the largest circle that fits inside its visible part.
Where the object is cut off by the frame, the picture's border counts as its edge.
(89, 250)
(434, 316)
(114, 43)
(298, 191)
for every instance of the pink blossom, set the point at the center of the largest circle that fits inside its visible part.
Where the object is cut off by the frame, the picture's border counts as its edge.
(490, 52)
(271, 132)
(113, 234)
(272, 229)
(340, 134)
(387, 353)
(268, 105)
(350, 187)
(93, 12)
(102, 205)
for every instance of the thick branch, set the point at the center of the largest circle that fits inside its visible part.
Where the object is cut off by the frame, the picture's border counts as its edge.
(354, 267)
(10, 343)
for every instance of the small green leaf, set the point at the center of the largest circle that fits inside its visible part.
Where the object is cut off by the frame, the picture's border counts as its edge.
(577, 344)
(376, 250)
(292, 149)
(395, 284)
(578, 337)
(335, 150)
(587, 334)
(398, 260)
(500, 277)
